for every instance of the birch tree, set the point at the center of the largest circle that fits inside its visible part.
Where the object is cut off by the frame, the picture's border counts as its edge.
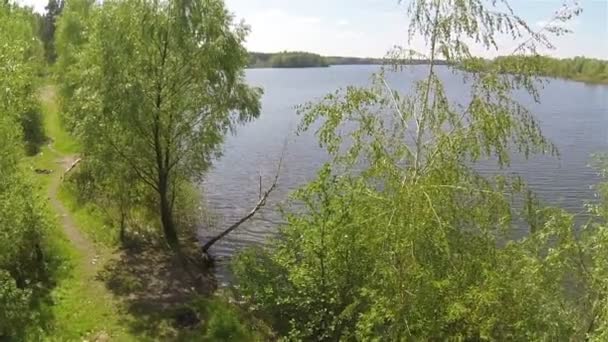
(23, 217)
(161, 84)
(399, 237)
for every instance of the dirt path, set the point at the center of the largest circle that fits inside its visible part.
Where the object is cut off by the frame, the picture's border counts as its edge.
(134, 292)
(86, 310)
(91, 258)
(91, 253)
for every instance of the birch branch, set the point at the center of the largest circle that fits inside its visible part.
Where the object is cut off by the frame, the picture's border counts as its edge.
(263, 197)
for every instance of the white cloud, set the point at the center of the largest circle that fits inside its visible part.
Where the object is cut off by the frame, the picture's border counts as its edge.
(350, 35)
(274, 30)
(309, 20)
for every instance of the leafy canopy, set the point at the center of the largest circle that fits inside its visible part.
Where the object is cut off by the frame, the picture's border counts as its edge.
(400, 237)
(23, 220)
(155, 88)
(20, 54)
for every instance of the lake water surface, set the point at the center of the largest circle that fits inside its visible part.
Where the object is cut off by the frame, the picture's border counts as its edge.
(573, 115)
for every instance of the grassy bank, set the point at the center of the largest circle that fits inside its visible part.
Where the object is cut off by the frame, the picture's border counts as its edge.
(81, 309)
(104, 293)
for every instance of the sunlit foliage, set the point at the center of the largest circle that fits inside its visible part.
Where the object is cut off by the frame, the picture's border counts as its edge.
(400, 238)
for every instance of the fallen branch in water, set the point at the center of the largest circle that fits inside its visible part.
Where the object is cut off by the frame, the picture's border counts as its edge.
(261, 203)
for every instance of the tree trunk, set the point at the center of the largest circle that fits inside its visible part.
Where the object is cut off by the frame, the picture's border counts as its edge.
(122, 224)
(166, 215)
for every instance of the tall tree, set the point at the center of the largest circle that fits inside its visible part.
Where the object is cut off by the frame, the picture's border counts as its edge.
(23, 220)
(21, 55)
(48, 28)
(162, 83)
(73, 31)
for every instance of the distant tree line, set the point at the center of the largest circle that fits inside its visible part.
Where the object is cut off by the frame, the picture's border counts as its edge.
(286, 60)
(308, 60)
(578, 68)
(334, 60)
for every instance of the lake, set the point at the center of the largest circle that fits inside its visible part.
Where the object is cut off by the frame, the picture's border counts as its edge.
(573, 115)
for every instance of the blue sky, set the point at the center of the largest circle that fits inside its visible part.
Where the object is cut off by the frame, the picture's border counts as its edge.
(372, 27)
(369, 28)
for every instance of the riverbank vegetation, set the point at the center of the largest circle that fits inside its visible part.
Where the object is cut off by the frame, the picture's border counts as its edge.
(27, 266)
(149, 106)
(147, 97)
(123, 106)
(400, 238)
(92, 262)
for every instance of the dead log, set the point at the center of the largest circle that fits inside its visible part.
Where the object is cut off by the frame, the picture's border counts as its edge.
(74, 164)
(262, 199)
(70, 168)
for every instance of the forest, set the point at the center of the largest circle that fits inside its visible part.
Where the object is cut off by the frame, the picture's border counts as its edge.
(286, 60)
(581, 69)
(113, 112)
(304, 59)
(311, 60)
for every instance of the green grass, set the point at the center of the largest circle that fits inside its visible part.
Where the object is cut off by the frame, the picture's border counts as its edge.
(45, 159)
(78, 310)
(62, 141)
(81, 311)
(90, 219)
(222, 321)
